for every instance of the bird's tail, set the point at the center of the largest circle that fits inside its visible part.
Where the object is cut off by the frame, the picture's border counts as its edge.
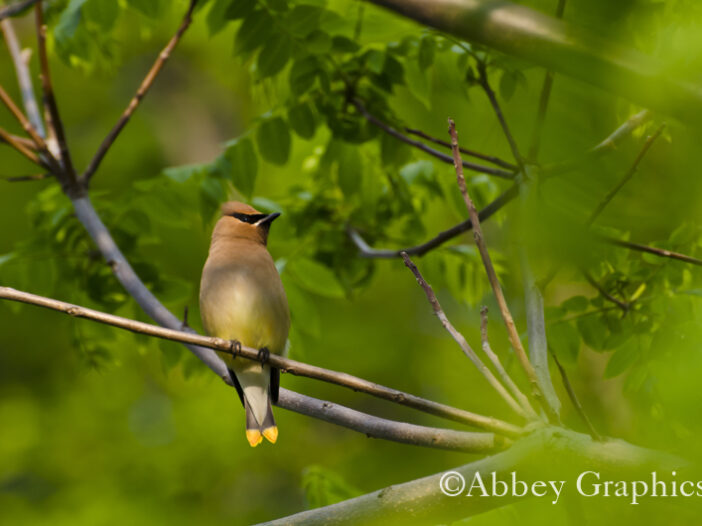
(257, 403)
(255, 431)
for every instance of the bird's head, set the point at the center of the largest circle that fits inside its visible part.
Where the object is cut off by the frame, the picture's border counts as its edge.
(244, 221)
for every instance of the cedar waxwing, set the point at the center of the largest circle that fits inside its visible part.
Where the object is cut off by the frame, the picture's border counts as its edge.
(242, 298)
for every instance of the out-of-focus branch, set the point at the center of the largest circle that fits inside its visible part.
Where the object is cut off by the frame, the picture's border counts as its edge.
(524, 411)
(575, 401)
(627, 176)
(22, 178)
(284, 364)
(660, 252)
(366, 251)
(423, 147)
(141, 92)
(16, 8)
(489, 158)
(625, 306)
(537, 389)
(18, 145)
(547, 454)
(24, 79)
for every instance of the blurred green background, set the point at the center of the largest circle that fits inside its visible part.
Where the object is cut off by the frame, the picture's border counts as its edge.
(99, 426)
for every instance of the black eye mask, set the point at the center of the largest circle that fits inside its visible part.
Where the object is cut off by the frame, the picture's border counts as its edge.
(249, 218)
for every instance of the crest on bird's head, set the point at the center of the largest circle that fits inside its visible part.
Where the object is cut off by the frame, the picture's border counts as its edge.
(244, 221)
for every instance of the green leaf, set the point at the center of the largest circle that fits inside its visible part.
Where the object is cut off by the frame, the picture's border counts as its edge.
(303, 19)
(69, 20)
(254, 31)
(216, 16)
(564, 339)
(150, 8)
(302, 120)
(302, 74)
(375, 61)
(324, 487)
(273, 139)
(593, 331)
(315, 277)
(240, 9)
(350, 172)
(576, 304)
(425, 54)
(318, 42)
(622, 359)
(273, 57)
(104, 13)
(244, 164)
(394, 152)
(508, 85)
(342, 44)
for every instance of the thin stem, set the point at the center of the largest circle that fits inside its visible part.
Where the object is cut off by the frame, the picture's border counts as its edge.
(23, 178)
(627, 176)
(284, 364)
(19, 146)
(461, 341)
(661, 252)
(625, 306)
(423, 147)
(575, 401)
(140, 94)
(366, 251)
(55, 124)
(487, 349)
(489, 158)
(492, 277)
(24, 79)
(485, 84)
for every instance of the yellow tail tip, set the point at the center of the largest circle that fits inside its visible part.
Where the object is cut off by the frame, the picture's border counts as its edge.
(271, 434)
(254, 437)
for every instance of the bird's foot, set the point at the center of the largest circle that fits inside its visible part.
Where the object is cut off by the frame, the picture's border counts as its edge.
(263, 354)
(234, 347)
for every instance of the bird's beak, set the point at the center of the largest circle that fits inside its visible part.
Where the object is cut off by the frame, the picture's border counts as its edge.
(268, 219)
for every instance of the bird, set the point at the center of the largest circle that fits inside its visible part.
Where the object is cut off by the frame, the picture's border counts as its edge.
(242, 299)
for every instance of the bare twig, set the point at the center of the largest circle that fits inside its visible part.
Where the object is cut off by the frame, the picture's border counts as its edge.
(546, 87)
(627, 176)
(284, 364)
(574, 400)
(492, 277)
(661, 252)
(141, 92)
(423, 147)
(366, 251)
(24, 79)
(461, 341)
(31, 131)
(19, 146)
(27, 143)
(489, 158)
(55, 124)
(14, 9)
(22, 178)
(625, 306)
(487, 349)
(485, 84)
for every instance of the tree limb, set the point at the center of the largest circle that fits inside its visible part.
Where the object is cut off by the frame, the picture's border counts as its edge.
(366, 251)
(286, 365)
(547, 454)
(660, 252)
(559, 46)
(141, 92)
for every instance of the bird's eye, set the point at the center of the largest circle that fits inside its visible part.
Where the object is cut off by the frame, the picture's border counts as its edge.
(249, 218)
